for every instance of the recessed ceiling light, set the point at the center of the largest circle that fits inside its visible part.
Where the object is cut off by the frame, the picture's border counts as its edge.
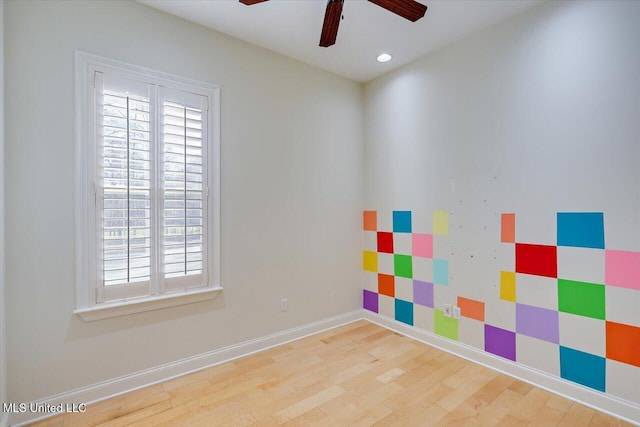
(384, 57)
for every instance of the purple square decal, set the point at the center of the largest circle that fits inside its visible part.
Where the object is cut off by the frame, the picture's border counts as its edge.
(370, 300)
(500, 342)
(538, 323)
(423, 293)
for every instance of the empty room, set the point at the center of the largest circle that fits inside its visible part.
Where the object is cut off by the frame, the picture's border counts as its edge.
(320, 212)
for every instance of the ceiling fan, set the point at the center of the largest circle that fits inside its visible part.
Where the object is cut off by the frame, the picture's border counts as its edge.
(409, 9)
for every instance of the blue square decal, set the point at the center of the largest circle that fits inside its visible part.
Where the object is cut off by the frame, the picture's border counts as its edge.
(402, 221)
(404, 312)
(581, 229)
(582, 368)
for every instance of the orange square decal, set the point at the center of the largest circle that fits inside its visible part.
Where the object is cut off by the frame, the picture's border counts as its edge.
(471, 308)
(370, 220)
(386, 285)
(623, 343)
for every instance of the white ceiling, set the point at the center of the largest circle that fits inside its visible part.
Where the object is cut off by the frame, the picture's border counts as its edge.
(292, 28)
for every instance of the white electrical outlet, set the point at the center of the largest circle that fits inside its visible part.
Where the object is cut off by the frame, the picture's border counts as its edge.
(447, 310)
(456, 312)
(284, 304)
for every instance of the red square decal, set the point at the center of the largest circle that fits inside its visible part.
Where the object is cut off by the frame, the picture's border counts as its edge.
(385, 242)
(538, 260)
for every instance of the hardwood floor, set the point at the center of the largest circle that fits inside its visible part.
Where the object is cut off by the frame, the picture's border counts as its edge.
(357, 375)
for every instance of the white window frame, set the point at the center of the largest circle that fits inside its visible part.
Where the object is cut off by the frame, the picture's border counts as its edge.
(88, 304)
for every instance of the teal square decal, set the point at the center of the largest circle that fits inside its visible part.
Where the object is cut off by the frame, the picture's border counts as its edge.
(583, 368)
(404, 312)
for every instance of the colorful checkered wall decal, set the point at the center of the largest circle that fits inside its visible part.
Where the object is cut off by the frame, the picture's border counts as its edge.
(418, 272)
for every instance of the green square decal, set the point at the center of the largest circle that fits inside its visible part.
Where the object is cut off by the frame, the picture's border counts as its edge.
(445, 326)
(581, 298)
(403, 266)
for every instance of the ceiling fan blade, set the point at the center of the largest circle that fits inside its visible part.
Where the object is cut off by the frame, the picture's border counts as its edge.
(332, 16)
(250, 2)
(409, 9)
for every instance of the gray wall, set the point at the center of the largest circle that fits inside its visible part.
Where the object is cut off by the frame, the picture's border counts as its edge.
(536, 115)
(291, 193)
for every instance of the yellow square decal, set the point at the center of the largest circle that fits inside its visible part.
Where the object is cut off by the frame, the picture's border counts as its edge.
(441, 222)
(508, 286)
(370, 261)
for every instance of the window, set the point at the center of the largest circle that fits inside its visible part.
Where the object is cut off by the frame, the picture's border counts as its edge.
(148, 162)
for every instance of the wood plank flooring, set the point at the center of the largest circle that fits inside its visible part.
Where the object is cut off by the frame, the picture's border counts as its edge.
(357, 375)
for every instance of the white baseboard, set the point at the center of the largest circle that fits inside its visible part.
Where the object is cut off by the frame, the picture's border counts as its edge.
(612, 405)
(126, 383)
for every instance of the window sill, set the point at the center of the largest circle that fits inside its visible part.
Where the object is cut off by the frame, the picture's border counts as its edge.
(105, 311)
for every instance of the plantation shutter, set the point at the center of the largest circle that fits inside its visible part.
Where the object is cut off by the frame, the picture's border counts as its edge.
(147, 229)
(124, 187)
(184, 193)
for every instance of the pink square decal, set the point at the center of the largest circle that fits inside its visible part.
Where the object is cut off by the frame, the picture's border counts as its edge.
(422, 245)
(622, 269)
